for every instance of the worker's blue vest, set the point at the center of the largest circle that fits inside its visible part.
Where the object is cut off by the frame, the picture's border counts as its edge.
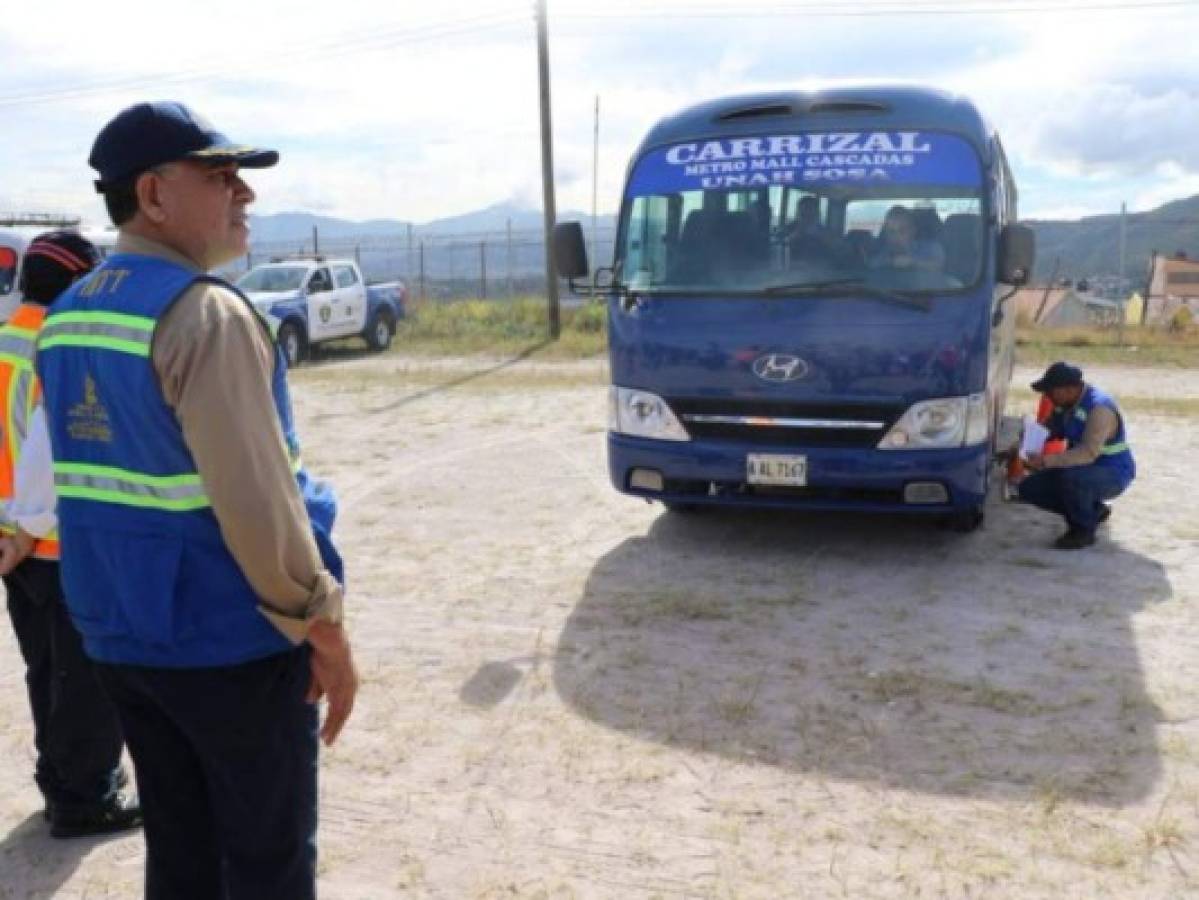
(1072, 423)
(148, 578)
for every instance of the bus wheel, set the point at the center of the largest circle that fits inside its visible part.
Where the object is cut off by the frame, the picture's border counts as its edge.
(966, 521)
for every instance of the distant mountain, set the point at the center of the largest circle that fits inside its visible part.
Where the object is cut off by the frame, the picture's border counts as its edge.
(1085, 248)
(1091, 247)
(297, 226)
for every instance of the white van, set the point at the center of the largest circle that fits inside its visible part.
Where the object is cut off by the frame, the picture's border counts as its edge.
(15, 237)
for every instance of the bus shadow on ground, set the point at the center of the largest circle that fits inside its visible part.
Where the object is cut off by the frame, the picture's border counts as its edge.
(878, 651)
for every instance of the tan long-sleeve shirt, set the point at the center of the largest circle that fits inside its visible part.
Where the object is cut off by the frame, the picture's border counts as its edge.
(215, 363)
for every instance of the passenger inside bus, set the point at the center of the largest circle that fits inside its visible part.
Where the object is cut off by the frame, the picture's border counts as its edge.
(900, 247)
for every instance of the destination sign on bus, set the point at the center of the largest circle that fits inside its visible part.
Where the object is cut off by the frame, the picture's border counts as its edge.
(902, 157)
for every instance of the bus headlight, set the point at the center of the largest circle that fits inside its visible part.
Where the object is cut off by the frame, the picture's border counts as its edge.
(945, 422)
(642, 414)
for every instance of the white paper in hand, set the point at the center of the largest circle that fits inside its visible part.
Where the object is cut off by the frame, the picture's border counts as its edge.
(1033, 440)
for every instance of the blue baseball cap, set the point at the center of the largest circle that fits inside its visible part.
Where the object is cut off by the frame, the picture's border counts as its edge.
(151, 134)
(1060, 374)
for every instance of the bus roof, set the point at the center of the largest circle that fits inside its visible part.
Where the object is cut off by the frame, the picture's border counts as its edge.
(881, 108)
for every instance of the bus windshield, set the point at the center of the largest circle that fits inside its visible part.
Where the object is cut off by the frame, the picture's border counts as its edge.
(899, 211)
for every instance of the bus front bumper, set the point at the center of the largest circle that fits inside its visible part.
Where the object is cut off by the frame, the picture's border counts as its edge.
(868, 480)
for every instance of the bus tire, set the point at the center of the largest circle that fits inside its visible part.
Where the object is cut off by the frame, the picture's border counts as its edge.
(966, 521)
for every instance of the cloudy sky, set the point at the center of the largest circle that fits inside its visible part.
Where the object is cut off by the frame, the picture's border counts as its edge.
(389, 108)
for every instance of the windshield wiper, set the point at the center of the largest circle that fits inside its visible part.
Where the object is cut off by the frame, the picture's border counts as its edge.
(856, 285)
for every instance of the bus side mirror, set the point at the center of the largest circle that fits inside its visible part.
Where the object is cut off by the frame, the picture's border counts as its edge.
(1017, 253)
(570, 253)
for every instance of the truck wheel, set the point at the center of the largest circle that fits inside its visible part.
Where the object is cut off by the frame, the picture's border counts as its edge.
(379, 332)
(291, 339)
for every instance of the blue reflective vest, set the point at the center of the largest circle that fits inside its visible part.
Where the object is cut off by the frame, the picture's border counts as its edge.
(147, 576)
(1071, 424)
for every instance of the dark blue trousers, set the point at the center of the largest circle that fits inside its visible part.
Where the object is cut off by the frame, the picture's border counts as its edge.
(75, 727)
(226, 763)
(1075, 493)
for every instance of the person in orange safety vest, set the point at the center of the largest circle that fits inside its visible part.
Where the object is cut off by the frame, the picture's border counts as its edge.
(76, 732)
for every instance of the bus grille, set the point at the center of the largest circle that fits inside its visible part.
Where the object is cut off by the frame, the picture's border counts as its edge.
(786, 424)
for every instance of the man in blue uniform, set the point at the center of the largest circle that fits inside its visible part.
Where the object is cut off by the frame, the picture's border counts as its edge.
(1096, 466)
(196, 552)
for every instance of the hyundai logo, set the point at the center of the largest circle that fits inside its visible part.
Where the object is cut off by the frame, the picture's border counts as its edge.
(780, 367)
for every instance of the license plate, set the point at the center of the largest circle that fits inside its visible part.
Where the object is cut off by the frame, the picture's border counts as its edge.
(765, 468)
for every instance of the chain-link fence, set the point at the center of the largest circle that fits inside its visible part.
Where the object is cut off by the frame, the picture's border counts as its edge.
(490, 264)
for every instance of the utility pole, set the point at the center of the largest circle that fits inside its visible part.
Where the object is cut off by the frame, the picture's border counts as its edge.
(483, 270)
(509, 256)
(547, 173)
(421, 276)
(316, 246)
(1123, 236)
(594, 182)
(408, 274)
(1148, 286)
(1123, 280)
(1036, 320)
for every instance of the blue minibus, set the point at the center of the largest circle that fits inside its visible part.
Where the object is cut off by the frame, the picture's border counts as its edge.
(807, 305)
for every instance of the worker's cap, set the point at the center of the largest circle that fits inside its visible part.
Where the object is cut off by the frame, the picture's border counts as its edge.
(1060, 374)
(52, 261)
(151, 134)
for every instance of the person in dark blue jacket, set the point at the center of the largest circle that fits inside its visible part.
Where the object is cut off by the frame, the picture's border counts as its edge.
(197, 553)
(1097, 465)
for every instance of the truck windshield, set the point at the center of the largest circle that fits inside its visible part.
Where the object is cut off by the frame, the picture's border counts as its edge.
(899, 211)
(273, 279)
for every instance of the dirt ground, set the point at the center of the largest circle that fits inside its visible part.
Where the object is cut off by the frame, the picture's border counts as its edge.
(569, 693)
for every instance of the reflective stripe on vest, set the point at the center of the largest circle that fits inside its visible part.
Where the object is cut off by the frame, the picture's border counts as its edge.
(99, 330)
(108, 484)
(1110, 449)
(19, 394)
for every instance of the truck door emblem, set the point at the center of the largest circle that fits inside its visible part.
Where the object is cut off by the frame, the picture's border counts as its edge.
(779, 367)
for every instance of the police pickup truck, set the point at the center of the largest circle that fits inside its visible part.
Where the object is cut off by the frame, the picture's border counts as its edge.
(315, 299)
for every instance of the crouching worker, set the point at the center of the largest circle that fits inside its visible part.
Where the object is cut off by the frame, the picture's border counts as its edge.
(1096, 466)
(75, 727)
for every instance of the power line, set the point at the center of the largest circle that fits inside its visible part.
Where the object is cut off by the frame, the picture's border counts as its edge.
(875, 9)
(358, 43)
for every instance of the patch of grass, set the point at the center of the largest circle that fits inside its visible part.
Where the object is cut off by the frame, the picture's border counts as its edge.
(1164, 834)
(1030, 562)
(501, 327)
(403, 378)
(1008, 632)
(884, 687)
(673, 604)
(1141, 346)
(1181, 407)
